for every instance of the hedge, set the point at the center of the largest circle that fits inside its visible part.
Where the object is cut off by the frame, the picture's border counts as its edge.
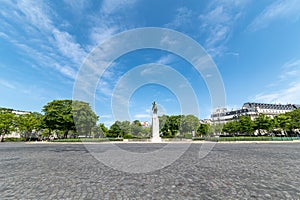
(87, 140)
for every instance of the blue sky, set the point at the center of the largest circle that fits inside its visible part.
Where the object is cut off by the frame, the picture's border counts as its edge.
(254, 44)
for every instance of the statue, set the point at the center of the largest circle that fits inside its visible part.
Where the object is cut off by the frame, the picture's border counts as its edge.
(154, 107)
(155, 124)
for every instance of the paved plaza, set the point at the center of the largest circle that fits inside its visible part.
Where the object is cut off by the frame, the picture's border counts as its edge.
(229, 171)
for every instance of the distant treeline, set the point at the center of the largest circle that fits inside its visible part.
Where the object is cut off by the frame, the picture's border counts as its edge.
(287, 124)
(71, 119)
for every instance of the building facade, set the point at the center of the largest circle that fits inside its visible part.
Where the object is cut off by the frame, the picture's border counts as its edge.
(13, 134)
(222, 115)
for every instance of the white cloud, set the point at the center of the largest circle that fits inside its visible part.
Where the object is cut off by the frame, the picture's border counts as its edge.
(45, 60)
(68, 47)
(142, 116)
(101, 33)
(38, 38)
(292, 63)
(35, 13)
(152, 72)
(107, 123)
(66, 70)
(290, 70)
(112, 6)
(288, 94)
(220, 33)
(105, 88)
(7, 84)
(165, 60)
(182, 18)
(106, 23)
(215, 16)
(106, 116)
(3, 35)
(78, 5)
(168, 41)
(233, 107)
(218, 22)
(281, 9)
(168, 100)
(291, 94)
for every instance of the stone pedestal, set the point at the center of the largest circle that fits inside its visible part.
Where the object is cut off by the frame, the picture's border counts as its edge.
(155, 129)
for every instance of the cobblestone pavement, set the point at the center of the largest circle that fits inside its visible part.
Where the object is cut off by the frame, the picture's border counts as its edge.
(229, 171)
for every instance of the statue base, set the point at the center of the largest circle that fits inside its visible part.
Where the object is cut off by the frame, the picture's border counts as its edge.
(156, 140)
(155, 129)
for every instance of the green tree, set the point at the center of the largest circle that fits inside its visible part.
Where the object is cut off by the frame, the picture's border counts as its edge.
(231, 127)
(103, 130)
(203, 129)
(263, 122)
(169, 125)
(164, 124)
(136, 128)
(125, 127)
(60, 115)
(7, 122)
(215, 129)
(146, 131)
(295, 119)
(119, 129)
(28, 123)
(246, 125)
(174, 124)
(115, 130)
(283, 122)
(189, 124)
(84, 117)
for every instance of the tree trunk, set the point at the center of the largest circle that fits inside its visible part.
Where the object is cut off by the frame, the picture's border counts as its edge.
(66, 133)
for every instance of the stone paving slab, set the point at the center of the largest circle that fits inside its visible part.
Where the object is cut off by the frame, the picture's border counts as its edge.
(69, 171)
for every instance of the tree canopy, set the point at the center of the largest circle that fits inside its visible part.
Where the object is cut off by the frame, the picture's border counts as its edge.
(288, 123)
(28, 123)
(7, 122)
(66, 115)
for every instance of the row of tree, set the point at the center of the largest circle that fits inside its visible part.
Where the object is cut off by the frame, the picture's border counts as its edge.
(170, 127)
(181, 125)
(69, 118)
(284, 124)
(128, 130)
(60, 117)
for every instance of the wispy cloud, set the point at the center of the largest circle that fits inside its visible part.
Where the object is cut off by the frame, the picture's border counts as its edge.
(112, 6)
(105, 88)
(106, 22)
(280, 9)
(78, 5)
(217, 24)
(167, 59)
(144, 115)
(101, 33)
(153, 72)
(104, 25)
(7, 84)
(168, 100)
(139, 116)
(290, 92)
(68, 46)
(290, 70)
(182, 18)
(106, 116)
(36, 36)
